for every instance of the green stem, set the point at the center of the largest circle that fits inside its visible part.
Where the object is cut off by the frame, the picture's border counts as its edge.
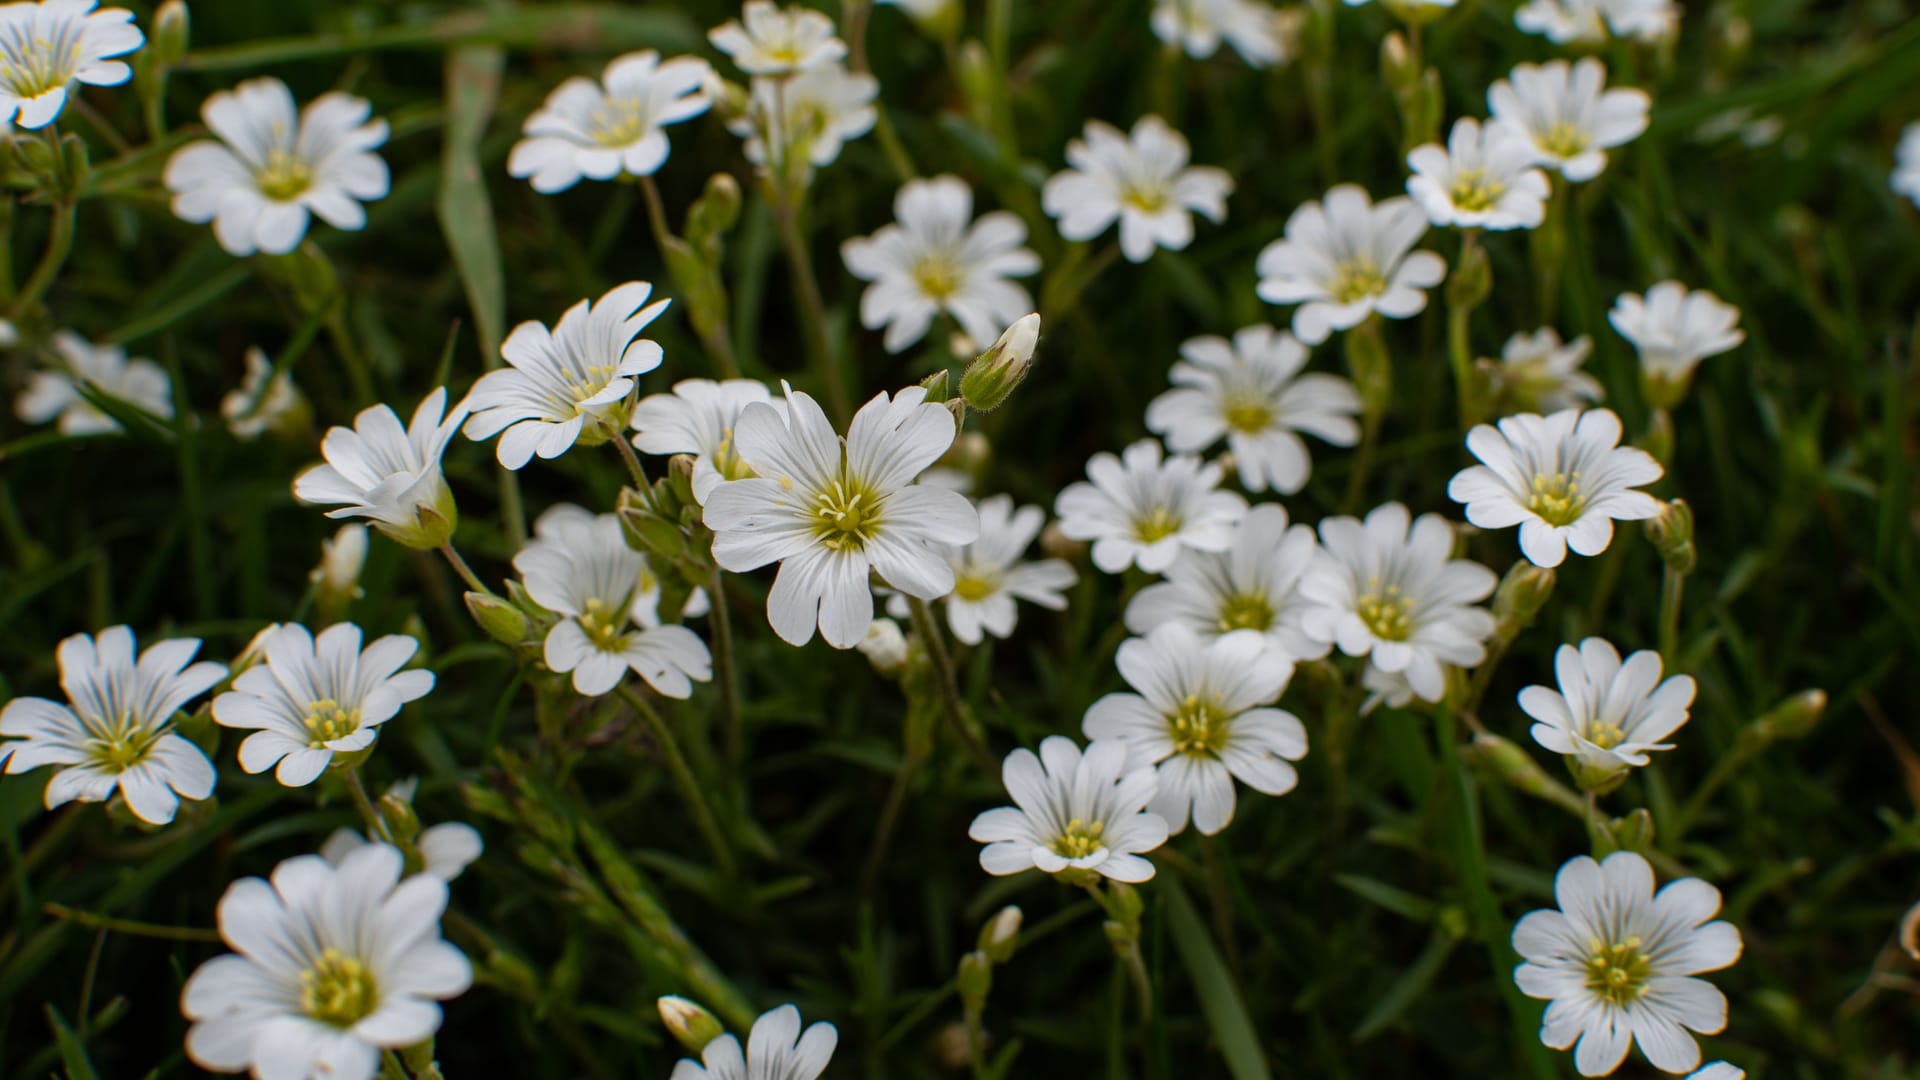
(391, 1067)
(1362, 461)
(726, 672)
(1549, 250)
(1212, 850)
(976, 1044)
(59, 245)
(634, 468)
(813, 309)
(376, 824)
(890, 819)
(127, 926)
(951, 707)
(466, 572)
(1672, 585)
(350, 354)
(690, 789)
(1459, 340)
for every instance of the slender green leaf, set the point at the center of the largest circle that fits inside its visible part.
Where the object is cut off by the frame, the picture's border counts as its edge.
(1219, 999)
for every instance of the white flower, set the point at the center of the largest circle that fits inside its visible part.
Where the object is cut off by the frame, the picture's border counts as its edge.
(988, 574)
(698, 418)
(263, 400)
(1537, 373)
(1564, 479)
(330, 965)
(1483, 179)
(1141, 179)
(776, 1050)
(770, 40)
(1080, 813)
(389, 474)
(1250, 391)
(1607, 715)
(1143, 510)
(1253, 585)
(117, 729)
(1617, 963)
(580, 567)
(937, 258)
(923, 11)
(1561, 110)
(601, 130)
(271, 167)
(1348, 259)
(1718, 1070)
(1389, 688)
(815, 112)
(445, 849)
(314, 698)
(48, 46)
(885, 647)
(1906, 164)
(1391, 590)
(1199, 26)
(569, 384)
(1675, 329)
(1588, 22)
(830, 511)
(1196, 714)
(341, 559)
(140, 383)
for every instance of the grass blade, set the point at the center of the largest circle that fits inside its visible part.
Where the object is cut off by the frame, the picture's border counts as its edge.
(1226, 1014)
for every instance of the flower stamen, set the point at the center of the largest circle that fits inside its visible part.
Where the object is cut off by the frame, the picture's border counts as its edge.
(338, 989)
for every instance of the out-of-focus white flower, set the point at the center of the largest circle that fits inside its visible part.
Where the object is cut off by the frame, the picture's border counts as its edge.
(389, 474)
(1607, 715)
(885, 647)
(1591, 22)
(1563, 479)
(613, 127)
(569, 384)
(1537, 373)
(1250, 391)
(811, 115)
(1252, 27)
(1389, 688)
(341, 559)
(1413, 11)
(1143, 509)
(1142, 180)
(698, 418)
(1253, 585)
(770, 40)
(445, 849)
(1675, 329)
(1346, 258)
(1484, 178)
(317, 697)
(263, 400)
(1074, 813)
(1617, 964)
(1568, 115)
(936, 257)
(1718, 1070)
(989, 574)
(46, 47)
(140, 383)
(1906, 164)
(776, 1050)
(116, 732)
(272, 166)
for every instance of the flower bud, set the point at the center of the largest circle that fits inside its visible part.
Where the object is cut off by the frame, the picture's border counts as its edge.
(976, 980)
(715, 212)
(646, 529)
(730, 100)
(1001, 935)
(940, 22)
(1507, 761)
(885, 647)
(502, 621)
(680, 479)
(1397, 63)
(1370, 366)
(692, 1025)
(936, 386)
(1910, 931)
(1471, 280)
(978, 81)
(1125, 903)
(993, 376)
(1632, 833)
(1672, 532)
(1522, 593)
(254, 653)
(171, 33)
(1792, 718)
(402, 823)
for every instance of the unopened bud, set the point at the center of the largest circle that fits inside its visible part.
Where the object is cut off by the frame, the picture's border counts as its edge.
(1370, 367)
(993, 376)
(254, 653)
(1507, 761)
(1001, 935)
(1522, 593)
(1672, 532)
(1632, 833)
(715, 211)
(978, 81)
(976, 980)
(171, 33)
(692, 1025)
(341, 559)
(1792, 718)
(645, 528)
(1126, 903)
(885, 647)
(397, 812)
(680, 479)
(502, 621)
(940, 20)
(1910, 931)
(936, 385)
(1397, 63)
(1471, 280)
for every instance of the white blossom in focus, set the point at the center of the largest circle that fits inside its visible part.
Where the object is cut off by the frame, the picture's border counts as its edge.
(600, 130)
(47, 46)
(389, 474)
(1346, 258)
(1253, 585)
(698, 418)
(1142, 180)
(139, 382)
(1607, 715)
(776, 1050)
(990, 573)
(1144, 509)
(1075, 813)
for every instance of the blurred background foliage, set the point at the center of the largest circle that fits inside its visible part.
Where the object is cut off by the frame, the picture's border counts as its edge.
(1363, 946)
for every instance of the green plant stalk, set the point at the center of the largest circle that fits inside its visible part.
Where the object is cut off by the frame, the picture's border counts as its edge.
(813, 309)
(1213, 851)
(683, 777)
(1459, 340)
(1672, 587)
(59, 246)
(89, 919)
(350, 354)
(733, 737)
(951, 707)
(466, 572)
(1549, 249)
(376, 824)
(713, 338)
(634, 468)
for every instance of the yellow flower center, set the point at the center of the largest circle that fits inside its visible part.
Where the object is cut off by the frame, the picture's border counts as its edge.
(123, 746)
(1617, 972)
(1080, 839)
(1146, 198)
(1248, 412)
(846, 515)
(328, 720)
(1387, 612)
(1156, 524)
(1605, 736)
(939, 275)
(1557, 498)
(337, 989)
(974, 587)
(39, 68)
(618, 123)
(1199, 728)
(1247, 611)
(605, 625)
(1475, 191)
(726, 461)
(1355, 280)
(284, 177)
(1565, 139)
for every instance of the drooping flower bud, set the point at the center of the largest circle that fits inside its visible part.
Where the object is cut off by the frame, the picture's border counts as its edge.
(1672, 532)
(502, 621)
(1001, 935)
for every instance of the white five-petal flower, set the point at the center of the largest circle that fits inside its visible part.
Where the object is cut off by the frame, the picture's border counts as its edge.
(1564, 479)
(47, 46)
(580, 567)
(698, 418)
(116, 732)
(1253, 585)
(330, 965)
(1078, 813)
(612, 127)
(262, 401)
(1145, 509)
(139, 382)
(1568, 115)
(271, 166)
(935, 258)
(830, 511)
(1255, 29)
(1390, 589)
(317, 697)
(813, 114)
(770, 40)
(569, 384)
(1141, 179)
(1484, 178)
(389, 474)
(1198, 712)
(1618, 964)
(1906, 164)
(1250, 391)
(776, 1050)
(1607, 715)
(1537, 373)
(990, 573)
(1346, 258)
(1675, 329)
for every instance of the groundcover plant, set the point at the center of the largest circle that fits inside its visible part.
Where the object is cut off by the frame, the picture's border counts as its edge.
(916, 538)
